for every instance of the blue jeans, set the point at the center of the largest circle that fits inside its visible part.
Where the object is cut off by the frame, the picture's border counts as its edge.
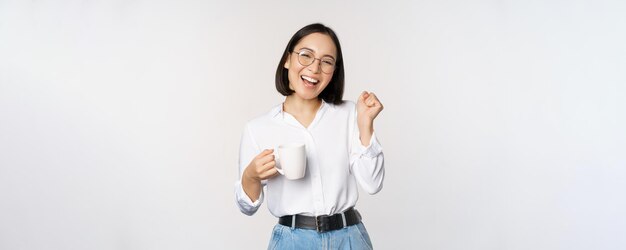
(352, 237)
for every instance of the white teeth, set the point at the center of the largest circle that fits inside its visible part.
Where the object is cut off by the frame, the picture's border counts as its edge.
(309, 79)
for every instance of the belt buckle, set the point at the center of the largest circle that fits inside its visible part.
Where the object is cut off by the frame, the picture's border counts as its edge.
(317, 224)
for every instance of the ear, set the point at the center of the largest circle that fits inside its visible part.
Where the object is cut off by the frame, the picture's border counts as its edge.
(287, 62)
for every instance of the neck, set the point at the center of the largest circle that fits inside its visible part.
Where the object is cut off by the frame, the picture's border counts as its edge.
(295, 105)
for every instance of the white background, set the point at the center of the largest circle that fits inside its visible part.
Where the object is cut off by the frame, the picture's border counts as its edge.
(504, 124)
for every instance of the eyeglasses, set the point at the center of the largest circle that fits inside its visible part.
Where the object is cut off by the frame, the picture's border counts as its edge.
(306, 58)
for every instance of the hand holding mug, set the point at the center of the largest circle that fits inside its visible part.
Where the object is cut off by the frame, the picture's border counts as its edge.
(262, 167)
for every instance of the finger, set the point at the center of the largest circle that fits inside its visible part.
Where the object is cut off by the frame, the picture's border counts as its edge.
(370, 101)
(374, 100)
(273, 172)
(266, 152)
(265, 159)
(364, 95)
(269, 173)
(269, 165)
(378, 106)
(374, 103)
(373, 96)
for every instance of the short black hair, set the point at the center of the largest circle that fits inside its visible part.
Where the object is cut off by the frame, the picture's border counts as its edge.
(333, 93)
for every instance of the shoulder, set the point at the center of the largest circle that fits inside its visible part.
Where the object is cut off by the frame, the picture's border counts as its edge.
(264, 119)
(346, 106)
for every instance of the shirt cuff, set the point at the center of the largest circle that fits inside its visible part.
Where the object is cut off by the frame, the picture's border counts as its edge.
(372, 150)
(245, 203)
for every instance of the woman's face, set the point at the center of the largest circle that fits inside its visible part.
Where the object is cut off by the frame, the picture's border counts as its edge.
(309, 81)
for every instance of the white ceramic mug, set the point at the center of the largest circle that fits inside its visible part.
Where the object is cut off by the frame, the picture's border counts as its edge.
(291, 159)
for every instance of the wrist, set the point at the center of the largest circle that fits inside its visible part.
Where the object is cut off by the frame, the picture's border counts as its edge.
(365, 125)
(248, 178)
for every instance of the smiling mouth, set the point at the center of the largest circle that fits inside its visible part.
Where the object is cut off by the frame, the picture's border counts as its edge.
(309, 80)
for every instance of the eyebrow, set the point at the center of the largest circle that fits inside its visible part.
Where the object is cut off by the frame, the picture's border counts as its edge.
(314, 52)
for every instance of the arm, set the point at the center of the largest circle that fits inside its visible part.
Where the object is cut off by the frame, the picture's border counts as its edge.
(368, 107)
(262, 167)
(253, 169)
(366, 156)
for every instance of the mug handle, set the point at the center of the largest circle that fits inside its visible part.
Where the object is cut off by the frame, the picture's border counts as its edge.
(277, 160)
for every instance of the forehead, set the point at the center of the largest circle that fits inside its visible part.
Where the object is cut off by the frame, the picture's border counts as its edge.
(320, 43)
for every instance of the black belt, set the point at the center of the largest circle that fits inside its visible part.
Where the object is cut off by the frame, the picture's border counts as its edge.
(322, 223)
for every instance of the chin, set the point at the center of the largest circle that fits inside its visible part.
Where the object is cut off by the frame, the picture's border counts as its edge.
(307, 96)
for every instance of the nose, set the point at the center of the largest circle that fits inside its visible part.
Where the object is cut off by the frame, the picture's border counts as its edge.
(316, 66)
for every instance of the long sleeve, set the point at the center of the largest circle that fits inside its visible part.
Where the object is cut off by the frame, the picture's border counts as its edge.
(367, 164)
(248, 149)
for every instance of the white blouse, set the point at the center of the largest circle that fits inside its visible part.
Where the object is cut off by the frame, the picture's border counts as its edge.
(336, 161)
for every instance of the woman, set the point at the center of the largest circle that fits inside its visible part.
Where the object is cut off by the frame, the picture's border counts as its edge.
(316, 211)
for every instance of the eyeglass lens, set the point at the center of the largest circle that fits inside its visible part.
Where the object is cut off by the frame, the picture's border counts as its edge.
(307, 58)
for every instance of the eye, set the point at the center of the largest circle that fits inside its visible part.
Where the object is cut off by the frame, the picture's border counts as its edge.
(306, 54)
(328, 61)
